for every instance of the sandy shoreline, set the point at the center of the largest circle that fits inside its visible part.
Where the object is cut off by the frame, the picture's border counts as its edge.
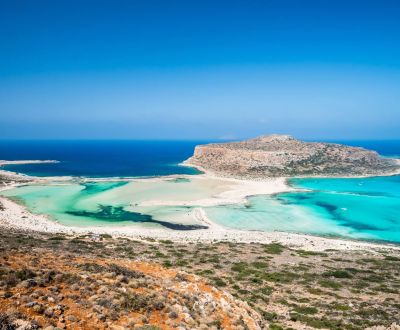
(17, 216)
(32, 161)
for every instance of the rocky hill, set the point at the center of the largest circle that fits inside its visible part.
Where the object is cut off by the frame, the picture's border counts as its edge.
(71, 282)
(42, 290)
(283, 155)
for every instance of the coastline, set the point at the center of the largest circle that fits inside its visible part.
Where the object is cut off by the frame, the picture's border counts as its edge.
(17, 216)
(31, 161)
(392, 173)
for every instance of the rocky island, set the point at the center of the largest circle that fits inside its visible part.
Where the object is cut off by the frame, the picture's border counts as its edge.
(284, 156)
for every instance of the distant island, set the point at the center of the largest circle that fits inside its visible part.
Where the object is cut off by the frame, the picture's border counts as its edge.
(284, 156)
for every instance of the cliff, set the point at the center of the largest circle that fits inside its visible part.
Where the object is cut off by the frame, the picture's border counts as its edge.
(283, 155)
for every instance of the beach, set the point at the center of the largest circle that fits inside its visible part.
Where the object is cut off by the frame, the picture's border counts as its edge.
(16, 216)
(217, 191)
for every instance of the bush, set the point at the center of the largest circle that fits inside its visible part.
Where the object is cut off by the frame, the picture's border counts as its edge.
(330, 284)
(119, 270)
(219, 282)
(306, 310)
(338, 274)
(148, 327)
(274, 248)
(24, 274)
(57, 238)
(134, 302)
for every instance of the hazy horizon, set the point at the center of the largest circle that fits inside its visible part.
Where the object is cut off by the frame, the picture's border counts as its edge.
(178, 70)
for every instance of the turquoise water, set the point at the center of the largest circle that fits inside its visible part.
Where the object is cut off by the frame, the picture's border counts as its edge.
(91, 204)
(365, 208)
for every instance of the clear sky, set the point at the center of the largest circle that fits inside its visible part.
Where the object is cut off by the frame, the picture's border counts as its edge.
(199, 69)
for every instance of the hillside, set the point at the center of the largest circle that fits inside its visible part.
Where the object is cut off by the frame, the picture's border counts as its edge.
(283, 155)
(57, 282)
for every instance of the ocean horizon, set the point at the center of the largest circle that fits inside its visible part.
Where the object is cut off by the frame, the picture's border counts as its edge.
(126, 158)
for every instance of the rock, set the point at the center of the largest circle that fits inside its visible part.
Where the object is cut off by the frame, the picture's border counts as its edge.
(75, 287)
(35, 295)
(102, 289)
(27, 283)
(58, 277)
(117, 327)
(22, 325)
(8, 294)
(61, 325)
(122, 279)
(71, 318)
(93, 298)
(283, 155)
(38, 308)
(173, 315)
(49, 312)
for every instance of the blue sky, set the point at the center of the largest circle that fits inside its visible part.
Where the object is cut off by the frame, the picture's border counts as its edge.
(199, 69)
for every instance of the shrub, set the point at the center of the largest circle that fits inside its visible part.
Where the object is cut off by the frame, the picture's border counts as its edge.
(392, 258)
(134, 301)
(304, 253)
(219, 282)
(24, 274)
(166, 241)
(148, 327)
(57, 238)
(167, 263)
(274, 248)
(330, 284)
(338, 274)
(305, 310)
(119, 270)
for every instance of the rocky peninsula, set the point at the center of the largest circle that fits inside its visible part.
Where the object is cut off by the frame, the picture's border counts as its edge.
(284, 156)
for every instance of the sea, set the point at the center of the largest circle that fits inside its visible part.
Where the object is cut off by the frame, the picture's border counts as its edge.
(354, 208)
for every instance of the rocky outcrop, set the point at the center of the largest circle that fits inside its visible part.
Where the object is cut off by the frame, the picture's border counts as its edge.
(283, 155)
(44, 290)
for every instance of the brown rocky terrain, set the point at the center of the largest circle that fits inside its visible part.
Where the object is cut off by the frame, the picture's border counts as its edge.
(284, 156)
(100, 282)
(45, 290)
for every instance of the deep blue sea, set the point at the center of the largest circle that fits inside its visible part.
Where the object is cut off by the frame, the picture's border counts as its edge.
(100, 158)
(119, 158)
(359, 208)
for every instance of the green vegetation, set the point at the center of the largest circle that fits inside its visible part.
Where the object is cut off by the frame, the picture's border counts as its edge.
(274, 248)
(327, 290)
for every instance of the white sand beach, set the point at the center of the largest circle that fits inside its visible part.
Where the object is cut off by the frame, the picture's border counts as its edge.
(16, 216)
(224, 191)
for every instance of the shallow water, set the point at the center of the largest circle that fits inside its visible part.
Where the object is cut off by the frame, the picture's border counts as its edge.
(117, 203)
(365, 208)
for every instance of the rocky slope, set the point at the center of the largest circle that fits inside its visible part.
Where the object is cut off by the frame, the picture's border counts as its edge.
(55, 282)
(283, 155)
(48, 291)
